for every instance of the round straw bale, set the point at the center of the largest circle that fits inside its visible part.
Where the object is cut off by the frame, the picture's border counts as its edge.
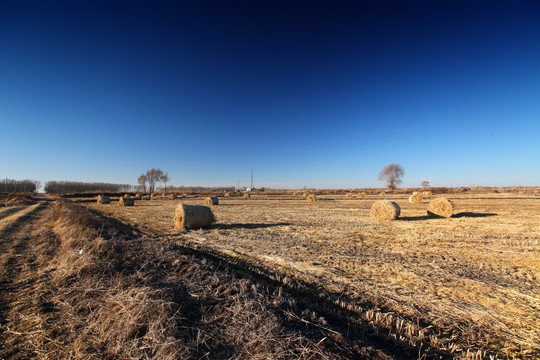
(102, 199)
(172, 196)
(427, 193)
(247, 196)
(127, 195)
(227, 195)
(440, 207)
(385, 210)
(349, 195)
(382, 193)
(361, 195)
(192, 217)
(415, 198)
(311, 198)
(211, 200)
(126, 201)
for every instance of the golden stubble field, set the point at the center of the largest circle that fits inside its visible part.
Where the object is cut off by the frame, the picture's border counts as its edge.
(470, 281)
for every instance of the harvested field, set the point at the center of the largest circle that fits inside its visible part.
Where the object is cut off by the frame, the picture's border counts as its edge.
(275, 277)
(465, 283)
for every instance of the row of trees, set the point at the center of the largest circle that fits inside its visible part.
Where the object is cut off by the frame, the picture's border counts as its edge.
(10, 185)
(151, 178)
(65, 187)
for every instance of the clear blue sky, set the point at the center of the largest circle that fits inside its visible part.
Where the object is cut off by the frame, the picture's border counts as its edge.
(307, 93)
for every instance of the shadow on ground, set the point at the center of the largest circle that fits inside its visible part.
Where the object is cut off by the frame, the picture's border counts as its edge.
(458, 215)
(472, 214)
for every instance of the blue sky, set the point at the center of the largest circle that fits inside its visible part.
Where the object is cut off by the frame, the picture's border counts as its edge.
(307, 93)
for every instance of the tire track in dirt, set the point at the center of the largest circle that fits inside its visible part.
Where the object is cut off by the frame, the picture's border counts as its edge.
(15, 252)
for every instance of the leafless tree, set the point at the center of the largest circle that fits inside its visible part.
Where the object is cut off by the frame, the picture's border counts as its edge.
(425, 184)
(37, 184)
(142, 182)
(164, 179)
(392, 174)
(153, 177)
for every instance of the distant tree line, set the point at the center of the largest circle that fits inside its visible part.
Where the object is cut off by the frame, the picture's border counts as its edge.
(10, 185)
(65, 187)
(192, 189)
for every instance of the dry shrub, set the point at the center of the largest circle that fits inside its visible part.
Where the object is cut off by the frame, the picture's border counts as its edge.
(311, 198)
(211, 201)
(361, 195)
(247, 196)
(102, 199)
(385, 210)
(440, 207)
(415, 198)
(126, 201)
(192, 217)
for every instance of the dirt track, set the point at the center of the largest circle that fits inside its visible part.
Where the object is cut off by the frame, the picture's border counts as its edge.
(18, 278)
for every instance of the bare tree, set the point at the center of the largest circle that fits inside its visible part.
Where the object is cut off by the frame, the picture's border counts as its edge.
(142, 180)
(425, 184)
(153, 177)
(164, 179)
(37, 184)
(392, 174)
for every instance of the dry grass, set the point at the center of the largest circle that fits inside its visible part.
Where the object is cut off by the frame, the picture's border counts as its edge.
(463, 284)
(87, 288)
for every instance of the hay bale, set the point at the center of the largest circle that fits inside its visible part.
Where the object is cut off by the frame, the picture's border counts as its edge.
(385, 210)
(227, 195)
(382, 193)
(127, 195)
(211, 200)
(192, 217)
(361, 195)
(349, 195)
(247, 196)
(126, 201)
(102, 199)
(173, 196)
(427, 193)
(440, 207)
(415, 198)
(311, 198)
